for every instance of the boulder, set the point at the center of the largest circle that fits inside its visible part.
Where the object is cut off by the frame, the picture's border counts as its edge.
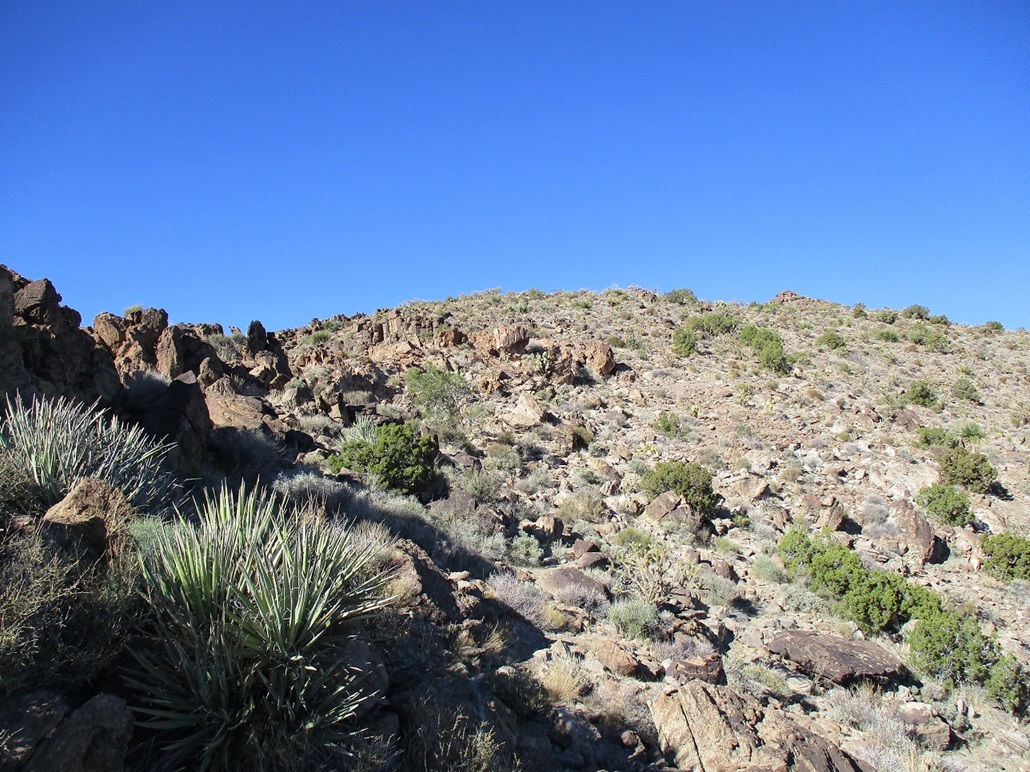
(708, 727)
(597, 358)
(38, 303)
(835, 659)
(257, 337)
(662, 506)
(92, 739)
(923, 544)
(707, 668)
(81, 522)
(617, 659)
(570, 585)
(168, 353)
(930, 729)
(526, 414)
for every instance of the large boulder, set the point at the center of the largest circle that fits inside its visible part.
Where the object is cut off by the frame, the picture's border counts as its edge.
(708, 727)
(836, 659)
(597, 358)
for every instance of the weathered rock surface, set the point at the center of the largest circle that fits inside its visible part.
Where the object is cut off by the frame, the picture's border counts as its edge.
(708, 728)
(80, 522)
(835, 659)
(92, 739)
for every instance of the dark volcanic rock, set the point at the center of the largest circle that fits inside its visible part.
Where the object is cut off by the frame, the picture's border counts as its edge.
(835, 659)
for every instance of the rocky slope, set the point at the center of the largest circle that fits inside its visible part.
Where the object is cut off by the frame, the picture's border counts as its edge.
(511, 629)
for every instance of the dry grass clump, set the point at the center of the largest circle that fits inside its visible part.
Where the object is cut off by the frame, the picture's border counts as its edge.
(564, 679)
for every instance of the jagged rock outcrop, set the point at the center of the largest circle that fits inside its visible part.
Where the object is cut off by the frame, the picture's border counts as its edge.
(711, 728)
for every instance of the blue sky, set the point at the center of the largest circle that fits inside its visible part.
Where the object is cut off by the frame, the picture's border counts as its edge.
(285, 161)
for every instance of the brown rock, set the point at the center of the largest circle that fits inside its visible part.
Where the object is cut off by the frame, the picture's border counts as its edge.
(598, 359)
(835, 659)
(110, 329)
(831, 517)
(593, 560)
(923, 543)
(92, 739)
(930, 729)
(37, 302)
(549, 527)
(708, 669)
(81, 521)
(570, 585)
(526, 414)
(662, 505)
(707, 727)
(168, 353)
(616, 659)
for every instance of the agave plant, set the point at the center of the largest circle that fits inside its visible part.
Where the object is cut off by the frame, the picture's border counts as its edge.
(249, 664)
(57, 442)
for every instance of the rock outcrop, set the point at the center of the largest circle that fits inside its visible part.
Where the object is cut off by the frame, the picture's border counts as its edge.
(707, 728)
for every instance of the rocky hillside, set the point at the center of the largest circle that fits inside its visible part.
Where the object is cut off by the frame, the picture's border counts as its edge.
(594, 574)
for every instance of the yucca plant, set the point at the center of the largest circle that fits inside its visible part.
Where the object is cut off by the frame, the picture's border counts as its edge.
(57, 442)
(249, 664)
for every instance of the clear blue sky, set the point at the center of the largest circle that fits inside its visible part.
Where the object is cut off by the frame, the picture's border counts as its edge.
(284, 161)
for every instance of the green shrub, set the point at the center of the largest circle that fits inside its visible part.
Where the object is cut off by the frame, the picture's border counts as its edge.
(683, 297)
(768, 346)
(859, 311)
(318, 337)
(968, 469)
(963, 388)
(670, 425)
(399, 458)
(934, 340)
(767, 570)
(684, 342)
(248, 665)
(1008, 556)
(58, 442)
(971, 432)
(875, 600)
(634, 617)
(946, 504)
(920, 393)
(1009, 683)
(928, 436)
(916, 312)
(438, 393)
(887, 316)
(712, 324)
(690, 480)
(993, 328)
(831, 339)
(951, 648)
(886, 334)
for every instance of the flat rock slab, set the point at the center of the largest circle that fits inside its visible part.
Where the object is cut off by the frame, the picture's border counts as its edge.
(708, 727)
(835, 659)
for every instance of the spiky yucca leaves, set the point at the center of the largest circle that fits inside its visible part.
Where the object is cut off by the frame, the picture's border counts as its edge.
(57, 442)
(249, 665)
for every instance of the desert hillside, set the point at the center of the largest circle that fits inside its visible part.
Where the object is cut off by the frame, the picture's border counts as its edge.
(618, 530)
